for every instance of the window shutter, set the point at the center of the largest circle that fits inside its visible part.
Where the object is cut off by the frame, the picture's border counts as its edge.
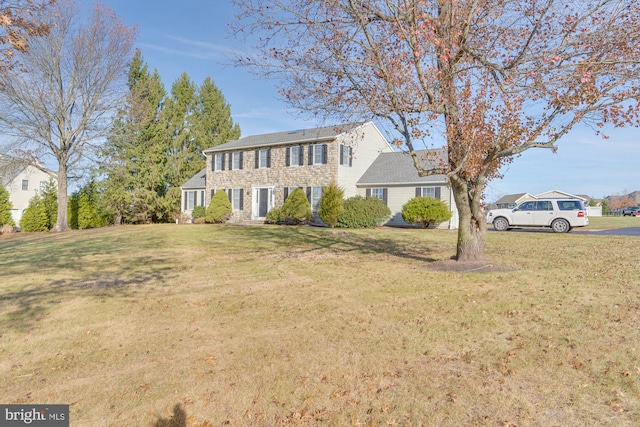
(269, 157)
(385, 193)
(368, 192)
(324, 154)
(286, 192)
(309, 194)
(350, 156)
(202, 198)
(230, 161)
(212, 193)
(185, 194)
(311, 154)
(301, 157)
(223, 162)
(342, 154)
(288, 159)
(437, 192)
(257, 162)
(213, 162)
(230, 195)
(418, 191)
(241, 159)
(241, 198)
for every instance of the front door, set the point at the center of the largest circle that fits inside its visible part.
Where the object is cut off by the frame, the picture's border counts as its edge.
(262, 202)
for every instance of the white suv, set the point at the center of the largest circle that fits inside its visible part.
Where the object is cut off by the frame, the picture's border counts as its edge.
(559, 214)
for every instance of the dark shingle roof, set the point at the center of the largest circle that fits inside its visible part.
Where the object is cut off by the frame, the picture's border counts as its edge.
(398, 168)
(326, 133)
(197, 181)
(10, 167)
(510, 198)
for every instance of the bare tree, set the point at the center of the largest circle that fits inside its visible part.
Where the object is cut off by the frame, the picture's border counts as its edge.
(19, 21)
(489, 78)
(58, 103)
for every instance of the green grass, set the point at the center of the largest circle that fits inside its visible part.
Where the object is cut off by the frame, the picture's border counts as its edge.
(230, 325)
(613, 221)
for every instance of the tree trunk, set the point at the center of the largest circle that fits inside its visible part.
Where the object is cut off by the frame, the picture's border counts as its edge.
(473, 226)
(62, 223)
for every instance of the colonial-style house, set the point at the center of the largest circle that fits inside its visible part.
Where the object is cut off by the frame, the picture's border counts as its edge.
(258, 172)
(22, 181)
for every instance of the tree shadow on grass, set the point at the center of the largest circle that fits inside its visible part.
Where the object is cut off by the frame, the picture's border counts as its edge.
(338, 241)
(178, 419)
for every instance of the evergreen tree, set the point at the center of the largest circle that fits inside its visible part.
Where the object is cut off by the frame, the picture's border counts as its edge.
(5, 208)
(35, 217)
(297, 208)
(213, 122)
(87, 217)
(331, 204)
(219, 209)
(50, 201)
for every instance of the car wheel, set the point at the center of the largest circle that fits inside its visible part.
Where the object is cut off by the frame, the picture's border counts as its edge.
(560, 226)
(500, 224)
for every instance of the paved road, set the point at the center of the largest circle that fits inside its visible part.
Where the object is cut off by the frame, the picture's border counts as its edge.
(629, 231)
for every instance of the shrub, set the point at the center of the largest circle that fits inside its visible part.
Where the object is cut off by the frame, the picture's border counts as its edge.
(296, 208)
(331, 204)
(199, 212)
(5, 208)
(425, 210)
(35, 217)
(219, 209)
(87, 216)
(363, 212)
(274, 216)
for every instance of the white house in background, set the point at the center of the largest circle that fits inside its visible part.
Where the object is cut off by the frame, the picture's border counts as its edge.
(22, 181)
(259, 172)
(512, 200)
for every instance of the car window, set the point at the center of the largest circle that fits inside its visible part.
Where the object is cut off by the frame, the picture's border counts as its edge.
(570, 205)
(544, 205)
(526, 206)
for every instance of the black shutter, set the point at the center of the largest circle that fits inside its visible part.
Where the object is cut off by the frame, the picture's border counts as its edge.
(241, 159)
(213, 192)
(185, 194)
(418, 191)
(385, 194)
(309, 194)
(324, 154)
(230, 161)
(230, 195)
(368, 192)
(350, 156)
(223, 162)
(437, 192)
(301, 156)
(311, 154)
(288, 159)
(202, 198)
(342, 154)
(257, 159)
(286, 192)
(213, 162)
(241, 198)
(269, 157)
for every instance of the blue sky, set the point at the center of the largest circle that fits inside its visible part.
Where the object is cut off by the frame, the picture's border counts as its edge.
(190, 36)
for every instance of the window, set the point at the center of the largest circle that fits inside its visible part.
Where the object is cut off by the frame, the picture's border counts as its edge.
(295, 156)
(43, 186)
(318, 154)
(218, 162)
(313, 195)
(190, 200)
(236, 198)
(235, 159)
(345, 155)
(428, 192)
(288, 190)
(544, 205)
(379, 193)
(263, 158)
(570, 205)
(527, 206)
(25, 184)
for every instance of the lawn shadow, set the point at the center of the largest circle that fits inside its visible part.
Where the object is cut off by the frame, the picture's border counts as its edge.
(339, 241)
(178, 419)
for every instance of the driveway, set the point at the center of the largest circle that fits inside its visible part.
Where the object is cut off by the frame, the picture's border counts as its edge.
(628, 231)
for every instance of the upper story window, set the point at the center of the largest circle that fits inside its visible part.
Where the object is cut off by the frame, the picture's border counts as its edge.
(295, 156)
(263, 158)
(218, 162)
(235, 159)
(432, 191)
(346, 154)
(25, 184)
(318, 154)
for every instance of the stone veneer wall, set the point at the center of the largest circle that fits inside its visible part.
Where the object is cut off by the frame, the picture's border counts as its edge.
(278, 175)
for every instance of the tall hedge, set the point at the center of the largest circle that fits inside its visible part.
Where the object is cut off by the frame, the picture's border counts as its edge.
(363, 212)
(35, 217)
(219, 209)
(426, 211)
(331, 204)
(5, 208)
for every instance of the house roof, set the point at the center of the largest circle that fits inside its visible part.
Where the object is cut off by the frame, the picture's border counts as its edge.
(398, 168)
(10, 167)
(512, 198)
(326, 133)
(196, 181)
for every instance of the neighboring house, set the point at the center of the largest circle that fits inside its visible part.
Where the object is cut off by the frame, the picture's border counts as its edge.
(393, 178)
(259, 172)
(22, 181)
(512, 200)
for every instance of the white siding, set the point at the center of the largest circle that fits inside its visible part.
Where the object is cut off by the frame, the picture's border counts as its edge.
(367, 142)
(20, 198)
